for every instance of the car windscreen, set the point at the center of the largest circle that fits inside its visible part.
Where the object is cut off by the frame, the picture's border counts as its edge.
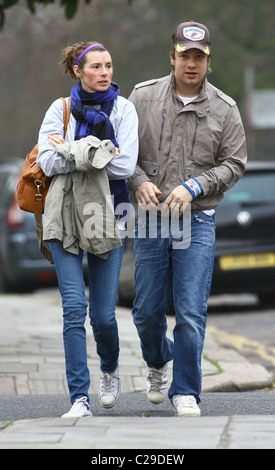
(252, 189)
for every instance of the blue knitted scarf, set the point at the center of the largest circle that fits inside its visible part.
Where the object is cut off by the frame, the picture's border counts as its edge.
(92, 111)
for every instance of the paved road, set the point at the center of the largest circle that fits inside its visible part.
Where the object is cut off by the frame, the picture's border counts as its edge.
(33, 392)
(20, 407)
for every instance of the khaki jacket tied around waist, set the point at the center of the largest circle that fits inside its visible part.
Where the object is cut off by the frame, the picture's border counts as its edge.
(79, 210)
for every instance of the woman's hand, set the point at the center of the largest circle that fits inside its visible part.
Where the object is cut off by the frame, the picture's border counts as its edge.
(55, 139)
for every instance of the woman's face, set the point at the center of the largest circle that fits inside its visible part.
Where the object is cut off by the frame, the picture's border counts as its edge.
(97, 73)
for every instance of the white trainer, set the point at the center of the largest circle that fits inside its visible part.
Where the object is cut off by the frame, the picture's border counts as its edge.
(185, 405)
(156, 384)
(109, 389)
(80, 409)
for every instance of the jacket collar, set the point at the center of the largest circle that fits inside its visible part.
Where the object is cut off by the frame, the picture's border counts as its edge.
(201, 104)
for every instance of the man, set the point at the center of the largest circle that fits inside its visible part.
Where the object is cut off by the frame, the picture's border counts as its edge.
(192, 149)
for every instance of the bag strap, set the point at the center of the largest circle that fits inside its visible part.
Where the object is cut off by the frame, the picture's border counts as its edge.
(39, 232)
(66, 113)
(38, 217)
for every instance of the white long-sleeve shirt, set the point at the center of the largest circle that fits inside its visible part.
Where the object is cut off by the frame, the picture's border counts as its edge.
(125, 124)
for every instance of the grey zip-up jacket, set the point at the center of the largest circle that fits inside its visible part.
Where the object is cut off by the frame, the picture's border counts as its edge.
(203, 140)
(79, 209)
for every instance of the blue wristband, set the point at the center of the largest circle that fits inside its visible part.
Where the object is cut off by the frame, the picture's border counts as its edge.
(194, 187)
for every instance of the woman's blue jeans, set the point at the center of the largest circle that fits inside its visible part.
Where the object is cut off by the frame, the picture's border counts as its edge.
(187, 272)
(103, 285)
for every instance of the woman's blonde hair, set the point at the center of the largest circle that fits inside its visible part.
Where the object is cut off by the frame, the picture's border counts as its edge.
(71, 53)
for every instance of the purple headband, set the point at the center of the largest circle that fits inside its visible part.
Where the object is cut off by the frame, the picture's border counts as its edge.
(86, 50)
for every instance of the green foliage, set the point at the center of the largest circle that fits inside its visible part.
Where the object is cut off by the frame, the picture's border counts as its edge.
(70, 7)
(5, 4)
(138, 34)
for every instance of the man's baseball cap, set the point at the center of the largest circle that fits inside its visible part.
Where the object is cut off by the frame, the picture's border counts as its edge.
(192, 35)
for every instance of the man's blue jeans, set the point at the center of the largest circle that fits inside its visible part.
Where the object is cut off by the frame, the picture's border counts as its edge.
(187, 272)
(103, 284)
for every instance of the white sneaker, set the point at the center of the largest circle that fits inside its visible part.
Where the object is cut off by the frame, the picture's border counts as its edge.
(186, 405)
(79, 409)
(109, 389)
(156, 384)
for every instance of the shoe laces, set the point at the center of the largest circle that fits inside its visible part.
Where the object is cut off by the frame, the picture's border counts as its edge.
(79, 403)
(184, 400)
(107, 382)
(155, 377)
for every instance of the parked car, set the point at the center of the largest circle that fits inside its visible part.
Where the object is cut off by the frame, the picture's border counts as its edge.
(22, 267)
(245, 253)
(245, 246)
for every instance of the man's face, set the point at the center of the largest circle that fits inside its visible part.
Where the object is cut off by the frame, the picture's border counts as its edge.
(190, 68)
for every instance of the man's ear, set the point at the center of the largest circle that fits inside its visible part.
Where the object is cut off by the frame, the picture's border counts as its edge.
(208, 64)
(172, 60)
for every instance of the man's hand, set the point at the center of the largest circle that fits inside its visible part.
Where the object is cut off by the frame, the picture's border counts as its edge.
(178, 198)
(147, 193)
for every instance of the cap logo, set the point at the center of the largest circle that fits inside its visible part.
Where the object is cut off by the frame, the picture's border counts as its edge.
(193, 33)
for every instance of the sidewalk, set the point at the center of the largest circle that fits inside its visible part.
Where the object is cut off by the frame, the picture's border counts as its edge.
(32, 364)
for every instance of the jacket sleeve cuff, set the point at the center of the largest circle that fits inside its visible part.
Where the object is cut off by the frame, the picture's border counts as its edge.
(136, 180)
(194, 187)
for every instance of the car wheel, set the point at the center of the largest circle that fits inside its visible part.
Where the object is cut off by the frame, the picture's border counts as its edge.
(267, 299)
(3, 281)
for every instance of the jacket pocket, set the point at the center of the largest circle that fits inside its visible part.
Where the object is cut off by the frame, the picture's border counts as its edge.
(150, 168)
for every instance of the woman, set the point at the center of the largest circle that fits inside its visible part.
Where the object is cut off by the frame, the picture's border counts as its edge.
(96, 110)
